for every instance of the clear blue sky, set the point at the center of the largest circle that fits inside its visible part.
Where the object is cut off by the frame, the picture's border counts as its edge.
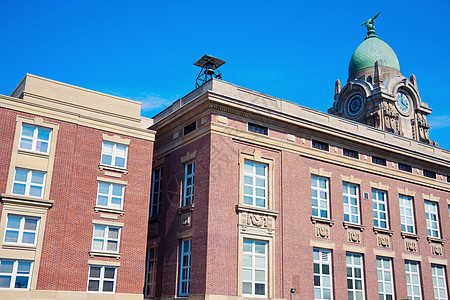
(295, 50)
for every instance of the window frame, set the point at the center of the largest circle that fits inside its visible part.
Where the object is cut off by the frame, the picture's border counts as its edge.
(182, 278)
(114, 155)
(188, 189)
(253, 269)
(320, 145)
(21, 230)
(28, 183)
(409, 273)
(436, 277)
(429, 221)
(404, 216)
(353, 277)
(321, 262)
(155, 200)
(253, 164)
(318, 189)
(386, 211)
(105, 239)
(102, 279)
(350, 153)
(382, 270)
(14, 274)
(151, 270)
(34, 138)
(256, 128)
(110, 195)
(345, 193)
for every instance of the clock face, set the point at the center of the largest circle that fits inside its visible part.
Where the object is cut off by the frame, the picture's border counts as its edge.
(355, 105)
(403, 103)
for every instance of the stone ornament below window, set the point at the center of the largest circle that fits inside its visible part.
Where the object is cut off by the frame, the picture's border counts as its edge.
(436, 250)
(186, 220)
(354, 236)
(153, 229)
(251, 221)
(383, 241)
(322, 231)
(411, 245)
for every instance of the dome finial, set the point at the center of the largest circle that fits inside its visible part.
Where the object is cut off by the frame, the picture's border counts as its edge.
(370, 25)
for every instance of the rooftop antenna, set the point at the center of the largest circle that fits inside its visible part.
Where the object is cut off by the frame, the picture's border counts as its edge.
(208, 64)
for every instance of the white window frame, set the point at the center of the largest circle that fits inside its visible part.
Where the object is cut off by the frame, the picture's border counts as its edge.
(105, 239)
(253, 269)
(376, 201)
(34, 139)
(188, 190)
(439, 282)
(185, 252)
(412, 272)
(156, 192)
(352, 276)
(250, 189)
(150, 278)
(28, 183)
(383, 280)
(110, 195)
(21, 230)
(102, 279)
(14, 274)
(322, 258)
(316, 197)
(407, 214)
(432, 217)
(349, 207)
(114, 155)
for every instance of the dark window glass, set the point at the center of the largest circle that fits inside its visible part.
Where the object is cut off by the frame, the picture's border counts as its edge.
(448, 178)
(258, 128)
(351, 153)
(378, 160)
(189, 128)
(404, 167)
(430, 174)
(320, 145)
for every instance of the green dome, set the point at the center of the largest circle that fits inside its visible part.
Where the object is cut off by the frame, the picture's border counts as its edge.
(369, 51)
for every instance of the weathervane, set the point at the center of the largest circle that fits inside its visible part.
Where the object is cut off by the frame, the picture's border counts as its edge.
(370, 25)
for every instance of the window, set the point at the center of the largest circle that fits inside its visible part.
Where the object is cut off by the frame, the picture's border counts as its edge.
(319, 197)
(407, 214)
(255, 183)
(413, 280)
(404, 167)
(448, 178)
(322, 274)
(355, 276)
(151, 272)
(350, 153)
(320, 145)
(28, 183)
(379, 204)
(110, 195)
(189, 128)
(188, 183)
(15, 274)
(431, 215)
(35, 138)
(156, 192)
(258, 128)
(351, 202)
(439, 286)
(185, 268)
(106, 238)
(21, 230)
(378, 160)
(429, 174)
(114, 154)
(102, 279)
(385, 278)
(254, 268)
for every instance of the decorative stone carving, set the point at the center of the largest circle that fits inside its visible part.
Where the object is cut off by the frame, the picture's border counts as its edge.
(256, 221)
(354, 236)
(383, 241)
(153, 228)
(186, 220)
(411, 245)
(322, 231)
(436, 250)
(391, 118)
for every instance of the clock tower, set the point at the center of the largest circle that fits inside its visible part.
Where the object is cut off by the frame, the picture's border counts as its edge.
(377, 94)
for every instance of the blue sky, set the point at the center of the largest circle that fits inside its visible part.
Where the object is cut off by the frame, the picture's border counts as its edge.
(295, 50)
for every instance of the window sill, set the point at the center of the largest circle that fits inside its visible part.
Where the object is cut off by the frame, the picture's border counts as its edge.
(112, 168)
(436, 240)
(186, 208)
(26, 200)
(410, 235)
(109, 210)
(257, 210)
(18, 247)
(382, 230)
(33, 153)
(353, 225)
(93, 253)
(314, 220)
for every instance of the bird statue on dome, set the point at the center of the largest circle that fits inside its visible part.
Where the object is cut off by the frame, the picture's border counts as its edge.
(370, 25)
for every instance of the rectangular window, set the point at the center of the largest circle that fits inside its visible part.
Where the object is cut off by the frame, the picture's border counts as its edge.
(350, 153)
(323, 280)
(380, 212)
(320, 145)
(404, 167)
(378, 160)
(429, 174)
(439, 285)
(28, 183)
(255, 183)
(254, 268)
(355, 276)
(156, 192)
(188, 197)
(15, 274)
(189, 128)
(385, 278)
(35, 138)
(448, 178)
(407, 214)
(185, 268)
(413, 280)
(106, 238)
(351, 202)
(114, 154)
(21, 230)
(102, 279)
(258, 128)
(319, 197)
(110, 195)
(151, 272)
(431, 215)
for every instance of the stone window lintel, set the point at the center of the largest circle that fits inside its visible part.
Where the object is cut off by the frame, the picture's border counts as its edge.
(256, 210)
(382, 230)
(354, 226)
(435, 240)
(410, 235)
(109, 210)
(93, 253)
(314, 220)
(111, 168)
(26, 200)
(186, 208)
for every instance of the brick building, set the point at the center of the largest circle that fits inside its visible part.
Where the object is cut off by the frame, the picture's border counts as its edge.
(75, 189)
